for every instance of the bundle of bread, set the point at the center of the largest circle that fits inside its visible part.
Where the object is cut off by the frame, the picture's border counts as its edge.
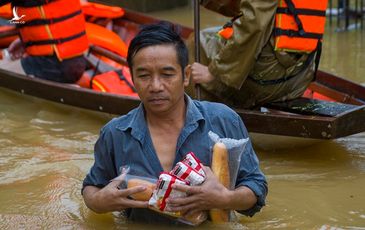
(144, 195)
(188, 172)
(226, 159)
(163, 191)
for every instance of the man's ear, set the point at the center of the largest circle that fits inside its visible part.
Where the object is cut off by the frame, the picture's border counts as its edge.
(187, 72)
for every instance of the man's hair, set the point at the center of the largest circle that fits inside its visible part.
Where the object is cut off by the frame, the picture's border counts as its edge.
(163, 33)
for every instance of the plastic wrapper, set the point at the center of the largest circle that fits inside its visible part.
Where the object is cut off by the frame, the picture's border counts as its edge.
(225, 164)
(164, 190)
(129, 181)
(235, 150)
(191, 160)
(187, 173)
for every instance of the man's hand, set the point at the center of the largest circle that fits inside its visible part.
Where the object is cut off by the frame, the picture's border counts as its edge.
(200, 74)
(111, 198)
(211, 194)
(16, 49)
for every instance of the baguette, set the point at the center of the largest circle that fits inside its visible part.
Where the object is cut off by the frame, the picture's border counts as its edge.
(146, 194)
(220, 169)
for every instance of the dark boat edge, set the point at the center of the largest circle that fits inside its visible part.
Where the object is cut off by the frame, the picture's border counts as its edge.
(68, 94)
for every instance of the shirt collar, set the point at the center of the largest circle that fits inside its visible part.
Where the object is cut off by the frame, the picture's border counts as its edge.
(193, 114)
(138, 124)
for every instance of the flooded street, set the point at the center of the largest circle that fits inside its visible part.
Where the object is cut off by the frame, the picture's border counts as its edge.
(46, 150)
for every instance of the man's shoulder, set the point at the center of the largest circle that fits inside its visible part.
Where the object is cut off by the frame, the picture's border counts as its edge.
(220, 117)
(120, 123)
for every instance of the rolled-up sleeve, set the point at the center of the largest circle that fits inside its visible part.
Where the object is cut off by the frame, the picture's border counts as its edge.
(101, 172)
(233, 63)
(250, 175)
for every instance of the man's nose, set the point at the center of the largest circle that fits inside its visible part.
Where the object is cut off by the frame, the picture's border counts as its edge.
(156, 84)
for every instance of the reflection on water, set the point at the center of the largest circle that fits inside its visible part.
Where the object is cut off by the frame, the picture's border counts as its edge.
(46, 150)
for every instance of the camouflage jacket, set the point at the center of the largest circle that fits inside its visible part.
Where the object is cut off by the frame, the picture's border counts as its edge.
(248, 72)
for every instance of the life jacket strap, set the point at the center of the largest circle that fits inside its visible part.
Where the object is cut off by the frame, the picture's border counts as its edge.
(299, 11)
(49, 21)
(318, 58)
(294, 12)
(294, 33)
(54, 41)
(123, 78)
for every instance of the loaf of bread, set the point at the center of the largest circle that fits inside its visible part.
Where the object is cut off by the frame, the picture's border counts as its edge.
(141, 196)
(220, 169)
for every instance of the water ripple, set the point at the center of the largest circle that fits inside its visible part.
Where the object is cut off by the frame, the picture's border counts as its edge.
(298, 176)
(45, 122)
(354, 143)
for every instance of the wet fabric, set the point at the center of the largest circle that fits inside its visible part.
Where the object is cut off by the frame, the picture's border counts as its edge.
(246, 65)
(50, 68)
(126, 141)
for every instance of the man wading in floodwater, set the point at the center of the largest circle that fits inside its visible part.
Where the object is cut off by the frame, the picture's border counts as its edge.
(167, 125)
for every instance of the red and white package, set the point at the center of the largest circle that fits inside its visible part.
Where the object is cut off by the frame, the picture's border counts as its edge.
(191, 160)
(164, 190)
(186, 172)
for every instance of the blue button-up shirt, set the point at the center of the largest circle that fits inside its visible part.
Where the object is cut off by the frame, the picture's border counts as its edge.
(126, 141)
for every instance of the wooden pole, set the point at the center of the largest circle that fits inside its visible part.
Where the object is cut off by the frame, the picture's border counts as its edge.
(113, 56)
(197, 41)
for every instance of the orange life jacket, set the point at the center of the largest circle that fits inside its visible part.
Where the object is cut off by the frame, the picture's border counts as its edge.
(227, 30)
(105, 38)
(52, 27)
(6, 12)
(117, 82)
(6, 40)
(299, 25)
(102, 11)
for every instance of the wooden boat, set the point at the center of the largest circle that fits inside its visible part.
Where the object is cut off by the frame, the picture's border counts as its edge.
(339, 112)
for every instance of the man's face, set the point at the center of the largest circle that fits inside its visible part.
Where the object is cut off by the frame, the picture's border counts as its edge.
(158, 78)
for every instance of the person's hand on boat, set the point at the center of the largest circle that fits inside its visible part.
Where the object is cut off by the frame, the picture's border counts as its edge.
(210, 195)
(112, 198)
(16, 49)
(200, 73)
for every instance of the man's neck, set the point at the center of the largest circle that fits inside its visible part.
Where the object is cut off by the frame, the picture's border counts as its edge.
(171, 119)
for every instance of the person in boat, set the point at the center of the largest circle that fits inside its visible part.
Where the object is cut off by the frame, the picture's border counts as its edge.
(167, 125)
(52, 39)
(263, 54)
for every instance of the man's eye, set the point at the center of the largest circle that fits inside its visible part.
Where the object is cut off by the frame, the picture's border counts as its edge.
(143, 76)
(167, 75)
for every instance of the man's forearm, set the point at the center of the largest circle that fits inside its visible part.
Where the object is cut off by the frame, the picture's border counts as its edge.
(242, 198)
(91, 202)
